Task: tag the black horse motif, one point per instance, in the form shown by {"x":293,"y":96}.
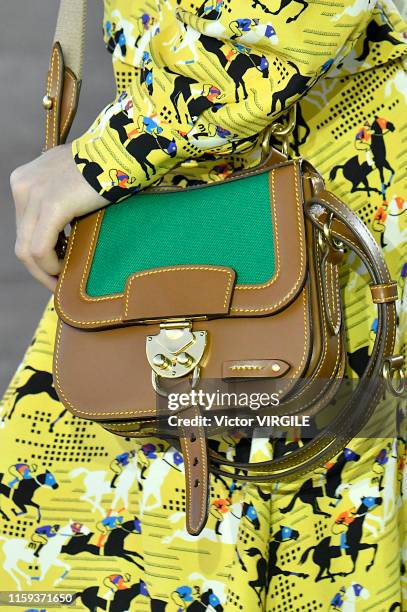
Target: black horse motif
{"x":120,"y":603}
{"x":376,"y":33}
{"x":182,"y":89}
{"x":357,"y":172}
{"x":298,"y":138}
{"x":240,"y":65}
{"x":283,"y":5}
{"x":39,"y":382}
{"x":298,"y":84}
{"x":309,"y":494}
{"x":266,"y":570}
{"x":324,"y":552}
{"x":22,"y":495}
{"x":92,"y":170}
{"x":113,"y":547}
{"x":141,"y":147}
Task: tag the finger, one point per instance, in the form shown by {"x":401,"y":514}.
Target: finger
{"x":44,"y":239}
{"x":50,"y":282}
{"x":25,"y":230}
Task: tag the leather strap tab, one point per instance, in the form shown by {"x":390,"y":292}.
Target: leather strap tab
{"x":69,"y":103}
{"x":382,"y":293}
{"x":194,"y":450}
{"x":63,"y":96}
{"x":331,"y":291}
{"x":54,"y":93}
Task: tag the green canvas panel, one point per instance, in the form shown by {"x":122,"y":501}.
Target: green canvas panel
{"x":229,"y":224}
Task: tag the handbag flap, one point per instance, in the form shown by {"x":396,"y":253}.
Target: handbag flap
{"x":235,"y":248}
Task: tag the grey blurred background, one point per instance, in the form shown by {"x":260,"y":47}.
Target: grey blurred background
{"x":26,"y":34}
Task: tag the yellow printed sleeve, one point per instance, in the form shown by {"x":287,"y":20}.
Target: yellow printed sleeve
{"x":207,"y":80}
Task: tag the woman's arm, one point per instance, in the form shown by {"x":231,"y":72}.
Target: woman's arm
{"x":245,"y":73}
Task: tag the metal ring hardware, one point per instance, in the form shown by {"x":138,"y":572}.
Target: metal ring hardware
{"x":326,"y":239}
{"x":281,"y":131}
{"x":392,"y":369}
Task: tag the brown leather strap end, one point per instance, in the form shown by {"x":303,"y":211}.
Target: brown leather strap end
{"x":69,"y":103}
{"x":386,"y":292}
{"x":61,"y":100}
{"x":52,"y":100}
{"x":194,"y":450}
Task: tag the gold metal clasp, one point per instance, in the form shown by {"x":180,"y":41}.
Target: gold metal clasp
{"x":392,"y":369}
{"x":175,"y":352}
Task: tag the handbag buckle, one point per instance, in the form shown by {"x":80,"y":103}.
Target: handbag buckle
{"x":175,"y":352}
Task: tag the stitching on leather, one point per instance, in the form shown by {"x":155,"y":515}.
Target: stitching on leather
{"x":332,"y":450}
{"x":49,"y":87}
{"x":54,"y":110}
{"x":383,"y":285}
{"x":328,"y":279}
{"x":388,"y":299}
{"x":297,"y":282}
{"x":179,"y":269}
{"x":188,"y":478}
{"x":337,"y":302}
{"x":309,"y":450}
{"x":58,"y":291}
{"x":246,"y":367}
{"x":71,"y":102}
{"x":332,"y":280}
{"x":70,"y":404}
{"x":338,"y":233}
{"x":325,"y":350}
{"x":326,"y":452}
{"x":84,"y":277}
{"x":232,"y":309}
{"x":277,"y":245}
{"x":188,"y":471}
{"x":304,"y":314}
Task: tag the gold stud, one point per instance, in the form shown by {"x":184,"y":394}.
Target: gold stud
{"x":184,"y":359}
{"x":275,"y":367}
{"x":161,"y":361}
{"x":47,"y":102}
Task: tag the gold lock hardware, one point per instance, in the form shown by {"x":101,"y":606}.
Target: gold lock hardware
{"x":175,"y":352}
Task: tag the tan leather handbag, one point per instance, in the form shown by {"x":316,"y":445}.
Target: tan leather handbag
{"x":235,"y":281}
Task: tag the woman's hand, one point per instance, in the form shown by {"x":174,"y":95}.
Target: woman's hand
{"x":48,"y":193}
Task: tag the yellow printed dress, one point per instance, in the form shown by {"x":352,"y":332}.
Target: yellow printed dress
{"x":103,"y":517}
